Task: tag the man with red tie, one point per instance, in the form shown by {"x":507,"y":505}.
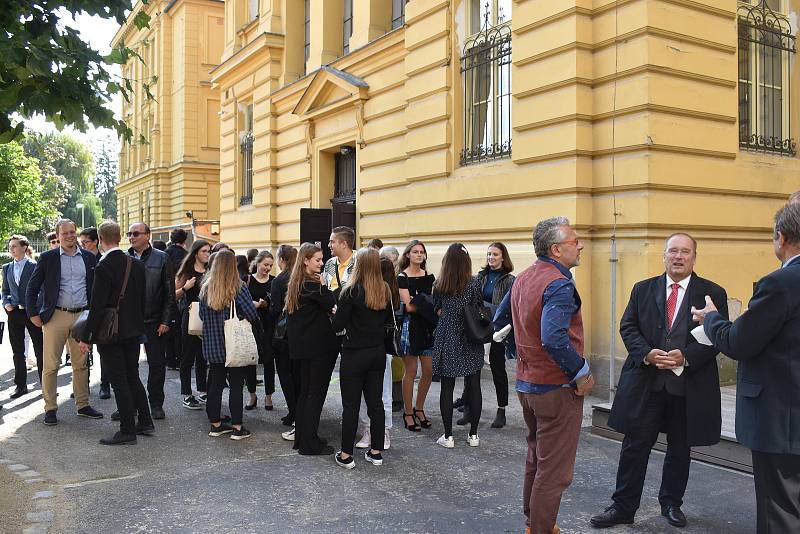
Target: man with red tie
{"x":669,"y":383}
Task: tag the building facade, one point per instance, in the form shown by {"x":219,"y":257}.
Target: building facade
{"x":470,"y":120}
{"x":171,"y":165}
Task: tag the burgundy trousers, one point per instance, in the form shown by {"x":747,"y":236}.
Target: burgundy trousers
{"x":554,"y":425}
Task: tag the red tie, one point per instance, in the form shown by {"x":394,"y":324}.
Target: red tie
{"x":672,"y":303}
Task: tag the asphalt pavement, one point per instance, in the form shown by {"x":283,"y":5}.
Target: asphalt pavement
{"x":182,"y":481}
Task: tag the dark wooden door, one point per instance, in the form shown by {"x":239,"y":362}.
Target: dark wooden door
{"x":344,"y":191}
{"x":315,"y":227}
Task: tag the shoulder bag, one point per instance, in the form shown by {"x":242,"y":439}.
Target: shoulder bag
{"x":241,"y":349}
{"x":391,"y":338}
{"x":195,"y":327}
{"x":108,"y":329}
{"x":478,"y":321}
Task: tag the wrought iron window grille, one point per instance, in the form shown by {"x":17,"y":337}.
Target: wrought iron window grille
{"x":486,"y":75}
{"x":766,"y":50}
{"x":246,"y":149}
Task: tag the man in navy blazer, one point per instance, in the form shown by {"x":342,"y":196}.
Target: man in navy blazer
{"x":16,"y":274}
{"x":63,"y":277}
{"x":766,"y":342}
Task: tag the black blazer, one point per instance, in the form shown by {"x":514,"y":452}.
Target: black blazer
{"x":109,"y":276}
{"x":46,"y":278}
{"x":766,"y":342}
{"x":309,"y":327}
{"x":642,"y":329}
{"x":364,"y":326}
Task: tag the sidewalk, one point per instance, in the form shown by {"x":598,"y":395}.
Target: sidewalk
{"x":183,"y":481}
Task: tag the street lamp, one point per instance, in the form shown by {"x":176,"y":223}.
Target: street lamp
{"x":79,"y":205}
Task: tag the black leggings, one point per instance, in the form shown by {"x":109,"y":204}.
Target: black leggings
{"x":497,"y":361}
{"x":192,"y":356}
{"x":472,"y":384}
{"x":218,"y":374}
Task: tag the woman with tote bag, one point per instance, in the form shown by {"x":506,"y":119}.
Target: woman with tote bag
{"x":222,"y":290}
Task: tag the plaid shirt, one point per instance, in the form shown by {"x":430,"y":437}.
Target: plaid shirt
{"x":332,"y":265}
{"x":214,"y":324}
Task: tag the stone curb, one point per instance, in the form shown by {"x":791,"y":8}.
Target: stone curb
{"x":41,"y":517}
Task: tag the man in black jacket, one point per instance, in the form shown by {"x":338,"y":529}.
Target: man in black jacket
{"x":64,"y":277}
{"x":90,"y":241}
{"x":159,"y":301}
{"x":176,"y":250}
{"x":765,"y":341}
{"x":121,"y":356}
{"x":669,"y":383}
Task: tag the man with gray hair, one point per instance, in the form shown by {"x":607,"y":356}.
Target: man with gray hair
{"x":795,"y":198}
{"x":765,"y":342}
{"x":552,"y":375}
{"x":391,"y":253}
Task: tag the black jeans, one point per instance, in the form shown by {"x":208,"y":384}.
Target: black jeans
{"x":288,"y":375}
{"x":155,"y":347}
{"x":315,"y":375}
{"x":172,"y":345}
{"x":192,"y":356}
{"x":661,"y":409}
{"x":120,"y":361}
{"x":18,"y":322}
{"x":361,"y":371}
{"x":473,"y":401}
{"x":217,"y":374}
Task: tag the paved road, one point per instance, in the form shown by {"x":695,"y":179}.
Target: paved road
{"x":183,"y":481}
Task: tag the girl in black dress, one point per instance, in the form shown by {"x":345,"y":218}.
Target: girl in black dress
{"x":187,"y":291}
{"x":260,"y":284}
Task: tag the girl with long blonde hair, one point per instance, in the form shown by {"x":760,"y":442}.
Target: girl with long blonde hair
{"x":221,"y":287}
{"x":363,"y":311}
{"x":312,"y":342}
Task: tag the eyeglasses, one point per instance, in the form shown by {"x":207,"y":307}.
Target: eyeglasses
{"x":575,"y":242}
{"x":135,"y":234}
{"x":54,"y":242}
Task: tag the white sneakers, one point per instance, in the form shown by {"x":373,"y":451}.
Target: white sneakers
{"x":473,"y":440}
{"x":365,"y":440}
{"x":288,"y":435}
{"x":447,"y":443}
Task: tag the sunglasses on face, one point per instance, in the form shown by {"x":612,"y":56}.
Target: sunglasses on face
{"x":54,"y":242}
{"x":135,"y":234}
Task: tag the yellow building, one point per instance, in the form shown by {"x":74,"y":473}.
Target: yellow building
{"x":470,"y":120}
{"x":176,"y":168}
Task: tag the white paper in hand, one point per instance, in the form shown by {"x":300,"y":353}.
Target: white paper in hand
{"x":700,"y":335}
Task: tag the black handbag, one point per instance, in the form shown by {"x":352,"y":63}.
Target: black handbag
{"x":478,"y":323}
{"x":281,"y":327}
{"x":108,"y":329}
{"x":391,"y":338}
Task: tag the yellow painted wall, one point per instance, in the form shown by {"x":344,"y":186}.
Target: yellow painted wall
{"x":179,"y":165}
{"x":625,"y":107}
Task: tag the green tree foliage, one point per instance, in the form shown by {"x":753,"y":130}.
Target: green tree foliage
{"x":47,"y":69}
{"x":21,"y":201}
{"x":106,"y":177}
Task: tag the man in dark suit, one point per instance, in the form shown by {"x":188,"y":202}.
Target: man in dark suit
{"x":176,"y":250}
{"x":64,"y":278}
{"x":16,"y":275}
{"x":159,"y":305}
{"x":89,"y":240}
{"x":120,"y":358}
{"x":669,"y":383}
{"x":766,"y":342}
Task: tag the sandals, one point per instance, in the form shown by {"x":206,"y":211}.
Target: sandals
{"x":413,"y":427}
{"x":423,"y":421}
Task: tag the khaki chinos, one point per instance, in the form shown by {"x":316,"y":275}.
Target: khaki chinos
{"x":56,"y":333}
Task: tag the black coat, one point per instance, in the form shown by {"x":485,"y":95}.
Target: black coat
{"x":309,"y":327}
{"x":641,"y":329}
{"x":109,"y":276}
{"x":46,"y":278}
{"x":159,"y":299}
{"x":766,"y":342}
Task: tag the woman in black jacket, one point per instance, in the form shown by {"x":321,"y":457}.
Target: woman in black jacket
{"x":363,"y":311}
{"x":288,"y":371}
{"x":495,"y":280}
{"x":312,"y":341}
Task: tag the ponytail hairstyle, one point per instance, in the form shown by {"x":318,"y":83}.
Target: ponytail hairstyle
{"x":288,"y":254}
{"x":299,"y":276}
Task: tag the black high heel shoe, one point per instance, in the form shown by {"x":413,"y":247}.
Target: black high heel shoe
{"x":424,"y":423}
{"x":413,"y":427}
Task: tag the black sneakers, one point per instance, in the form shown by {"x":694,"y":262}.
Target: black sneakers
{"x":348,"y":463}
{"x":91,"y":413}
{"x":374,"y":459}
{"x":240,"y":434}
{"x":191,"y":403}
{"x":220,"y":430}
{"x":50,"y":418}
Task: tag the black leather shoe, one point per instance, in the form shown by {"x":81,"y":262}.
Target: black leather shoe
{"x":465,"y":419}
{"x":157,"y":412}
{"x":119,"y":439}
{"x":19,"y":392}
{"x":50,"y":418}
{"x":91,"y":413}
{"x":674,"y":515}
{"x":105,"y":392}
{"x":499,"y":418}
{"x":115,"y":415}
{"x":610,"y":517}
{"x":146,"y":430}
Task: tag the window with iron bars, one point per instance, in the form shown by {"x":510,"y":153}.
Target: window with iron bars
{"x":766,"y":49}
{"x":486,"y":75}
{"x":246,"y":140}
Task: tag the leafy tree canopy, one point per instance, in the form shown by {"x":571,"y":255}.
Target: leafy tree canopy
{"x":48,"y":69}
{"x":21,"y":202}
